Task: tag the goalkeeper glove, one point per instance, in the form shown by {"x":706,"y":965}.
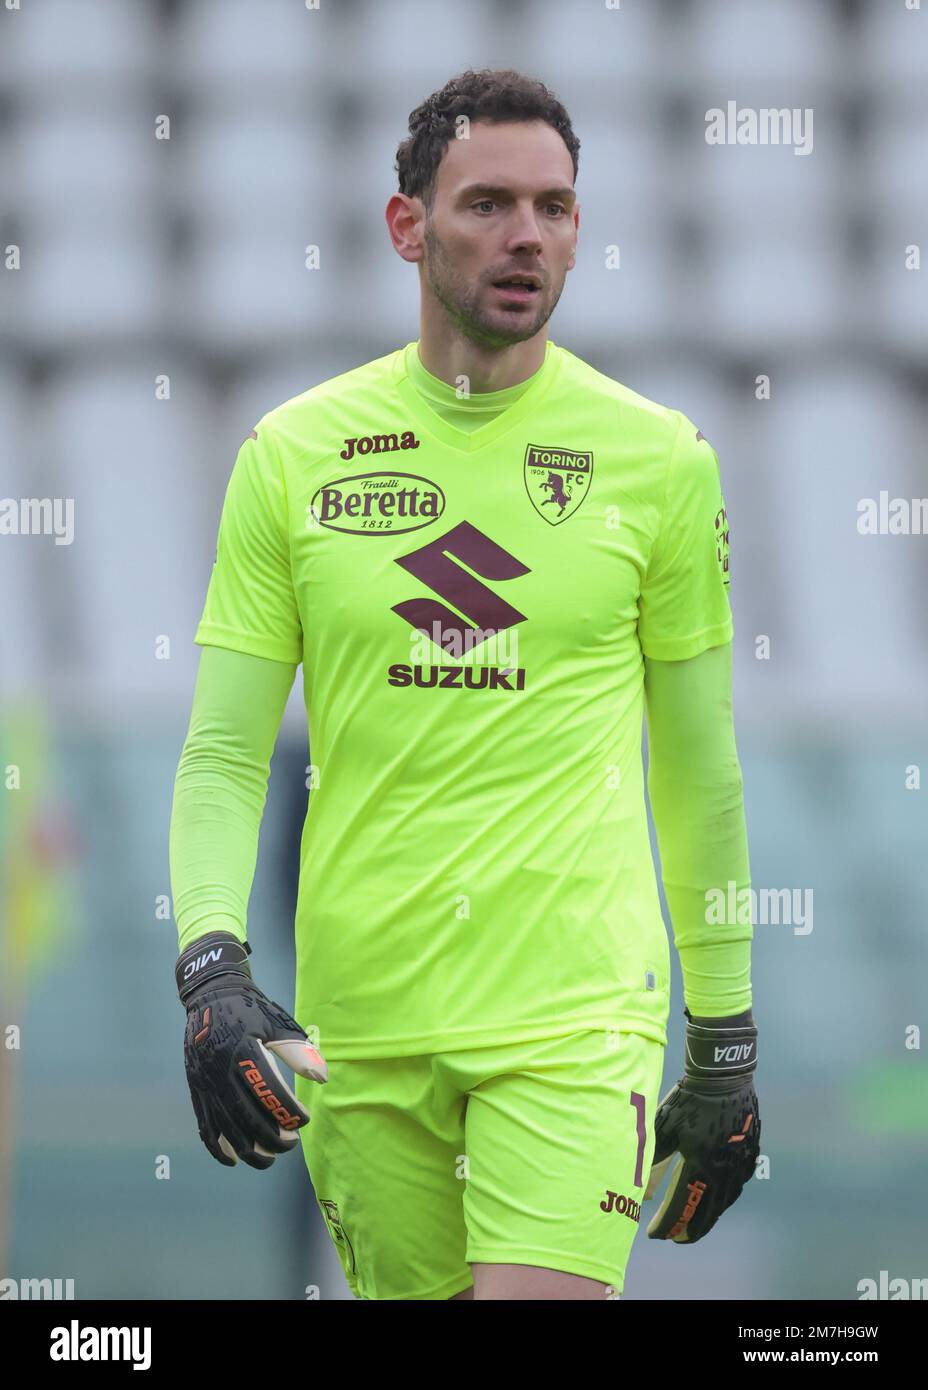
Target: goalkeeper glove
{"x":243,"y":1105}
{"x":711,"y":1119}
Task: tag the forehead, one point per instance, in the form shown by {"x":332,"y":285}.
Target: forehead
{"x":521,"y":155}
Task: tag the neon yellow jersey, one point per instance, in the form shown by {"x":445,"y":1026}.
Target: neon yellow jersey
{"x":471,"y":610}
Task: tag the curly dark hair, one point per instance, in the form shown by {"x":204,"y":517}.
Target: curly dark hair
{"x":493,"y":94}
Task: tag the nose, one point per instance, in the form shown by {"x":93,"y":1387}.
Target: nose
{"x":524,"y":229}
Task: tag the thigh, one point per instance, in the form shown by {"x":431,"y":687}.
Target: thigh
{"x":529,"y":1283}
{"x":560,"y":1136}
{"x":384,"y":1148}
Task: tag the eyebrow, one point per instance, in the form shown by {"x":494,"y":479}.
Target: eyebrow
{"x":566,"y":195}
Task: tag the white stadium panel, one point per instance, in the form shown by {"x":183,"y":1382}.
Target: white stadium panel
{"x":24,"y":631}
{"x":622,"y":288}
{"x":255,"y":53}
{"x":415,"y":49}
{"x":892,"y":47}
{"x":245,"y":289}
{"x":234,"y":166}
{"x":893,"y":170}
{"x":89,"y":282}
{"x":755,"y":40}
{"x":575,"y":47}
{"x":51,"y":51}
{"x":894,"y":297}
{"x":68,"y":164}
{"x":838,"y":436}
{"x":377,"y":297}
{"x":623,"y":167}
{"x":622,"y":284}
{"x":362,"y":173}
{"x":144,"y":538}
{"x":766,"y":286}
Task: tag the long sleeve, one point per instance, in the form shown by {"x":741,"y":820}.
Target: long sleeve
{"x":696,"y":792}
{"x":221,"y":787}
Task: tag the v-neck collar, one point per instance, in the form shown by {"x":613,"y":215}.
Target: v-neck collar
{"x":468,"y":442}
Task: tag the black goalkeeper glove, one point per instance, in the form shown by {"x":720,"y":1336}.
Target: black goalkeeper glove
{"x":710,"y":1118}
{"x":244,"y":1107}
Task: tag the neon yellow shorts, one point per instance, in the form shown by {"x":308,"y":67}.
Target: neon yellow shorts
{"x":531,"y":1153}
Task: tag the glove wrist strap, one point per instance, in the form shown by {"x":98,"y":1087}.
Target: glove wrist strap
{"x":217,"y":953}
{"x":717,"y":1048}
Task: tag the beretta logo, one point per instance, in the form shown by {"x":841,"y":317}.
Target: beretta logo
{"x":557,"y":480}
{"x":378,"y":504}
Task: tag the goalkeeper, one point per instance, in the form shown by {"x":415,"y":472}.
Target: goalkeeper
{"x":488,"y":590}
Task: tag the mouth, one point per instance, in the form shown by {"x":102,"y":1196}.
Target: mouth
{"x":519,"y":288}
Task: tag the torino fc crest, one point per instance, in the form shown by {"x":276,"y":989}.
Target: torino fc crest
{"x":557,"y":480}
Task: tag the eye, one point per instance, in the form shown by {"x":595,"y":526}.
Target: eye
{"x":560,"y":207}
{"x":485,"y":202}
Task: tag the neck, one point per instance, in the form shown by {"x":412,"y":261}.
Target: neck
{"x":449,"y":355}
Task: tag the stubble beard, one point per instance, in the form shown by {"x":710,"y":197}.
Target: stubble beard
{"x":460,"y":301}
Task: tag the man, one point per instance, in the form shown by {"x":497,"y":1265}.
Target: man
{"x":489,"y":558}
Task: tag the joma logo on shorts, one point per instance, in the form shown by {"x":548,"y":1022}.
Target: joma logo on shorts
{"x":625,"y":1206}
{"x":378,"y":444}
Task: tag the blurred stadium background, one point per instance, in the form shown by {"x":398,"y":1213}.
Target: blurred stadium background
{"x":144,"y":258}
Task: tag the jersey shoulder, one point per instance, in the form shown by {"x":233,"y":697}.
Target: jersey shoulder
{"x":638,"y":413}
{"x":300,"y":424}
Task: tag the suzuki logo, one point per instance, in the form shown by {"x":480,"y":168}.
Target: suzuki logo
{"x":437,"y":566}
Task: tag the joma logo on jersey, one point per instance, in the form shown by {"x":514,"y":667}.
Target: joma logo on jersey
{"x":375,"y":504}
{"x":557,"y":480}
{"x":378,"y":444}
